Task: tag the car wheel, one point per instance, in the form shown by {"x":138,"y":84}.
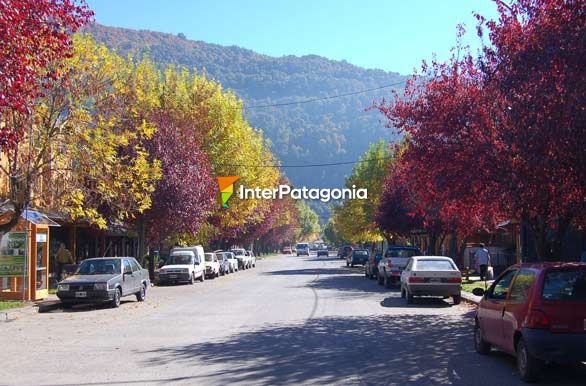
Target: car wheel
{"x":481,"y":346}
{"x":457,"y":299}
{"x":192,"y":278}
{"x":528,"y":366}
{"x":141,"y":295}
{"x":202,"y":277}
{"x":409,"y":296}
{"x":115,"y":303}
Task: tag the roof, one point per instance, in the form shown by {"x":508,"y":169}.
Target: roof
{"x":432,"y":258}
{"x":551,"y":264}
{"x":402,"y":247}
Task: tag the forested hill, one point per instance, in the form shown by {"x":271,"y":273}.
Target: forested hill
{"x":335,"y":130}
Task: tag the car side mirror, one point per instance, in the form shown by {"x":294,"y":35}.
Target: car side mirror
{"x":127,"y":273}
{"x":478,"y":291}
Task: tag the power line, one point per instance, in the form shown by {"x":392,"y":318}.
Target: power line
{"x":309,"y":165}
{"x":324,"y":98}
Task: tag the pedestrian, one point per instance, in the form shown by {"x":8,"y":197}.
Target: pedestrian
{"x":482,"y":261}
{"x":63,"y":257}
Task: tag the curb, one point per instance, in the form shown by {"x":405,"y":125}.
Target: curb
{"x":471,"y":298}
{"x":49,"y":305}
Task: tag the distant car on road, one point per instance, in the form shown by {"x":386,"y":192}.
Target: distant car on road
{"x":225,"y":266}
{"x":358,"y":256}
{"x":536,"y":312}
{"x":287,"y":250}
{"x":431,"y":276}
{"x":233,"y":261}
{"x":105,"y":279}
{"x":302,"y":249}
{"x":393,"y":262}
{"x":345,"y":251}
{"x":240,"y":254}
{"x":323,"y":252}
{"x":252,"y":259}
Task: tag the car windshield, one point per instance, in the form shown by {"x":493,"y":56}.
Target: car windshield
{"x":567,"y":284}
{"x":209,"y":256}
{"x":397,"y":252}
{"x":361,"y":253}
{"x":238,"y":252}
{"x":434,"y":265}
{"x":179,"y":260}
{"x":302,"y":246}
{"x":99,"y":267}
{"x":219,"y":256}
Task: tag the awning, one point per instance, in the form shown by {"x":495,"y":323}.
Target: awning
{"x":38,"y":218}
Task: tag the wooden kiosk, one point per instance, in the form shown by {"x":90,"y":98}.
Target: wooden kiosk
{"x":24,"y":258}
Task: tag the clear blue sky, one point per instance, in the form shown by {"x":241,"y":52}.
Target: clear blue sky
{"x":389,"y":34}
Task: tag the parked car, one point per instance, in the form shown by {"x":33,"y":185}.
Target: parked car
{"x":184,"y":264}
{"x":431,"y":276}
{"x":302,"y":249}
{"x":212,"y":266}
{"x":240,"y":254}
{"x":323,"y":252}
{"x":232,"y":260}
{"x":252,"y":259}
{"x":287,"y":250}
{"x":105,"y":279}
{"x":536,"y":312}
{"x":371,"y":266}
{"x":358,"y":256}
{"x":223,"y":261}
{"x":345,"y":251}
{"x":393,"y":262}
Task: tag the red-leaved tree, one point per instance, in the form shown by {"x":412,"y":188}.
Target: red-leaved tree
{"x":34,"y":36}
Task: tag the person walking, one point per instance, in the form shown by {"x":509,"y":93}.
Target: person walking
{"x":482,"y":261}
{"x":63,"y":257}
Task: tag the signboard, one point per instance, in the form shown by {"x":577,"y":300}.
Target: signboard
{"x":41,"y":237}
{"x":12,"y":254}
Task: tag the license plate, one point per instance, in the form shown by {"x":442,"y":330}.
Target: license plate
{"x":435,"y":280}
{"x":82,"y":294}
{"x":173,"y":276}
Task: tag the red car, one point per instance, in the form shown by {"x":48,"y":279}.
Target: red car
{"x":536,"y":312}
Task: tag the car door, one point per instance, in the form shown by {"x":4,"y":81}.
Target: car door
{"x":490,"y":312}
{"x":516,"y":306}
{"x":137,"y":273}
{"x":128,"y":278}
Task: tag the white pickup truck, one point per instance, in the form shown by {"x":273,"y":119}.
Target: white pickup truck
{"x":185,"y":264}
{"x":393,"y":263}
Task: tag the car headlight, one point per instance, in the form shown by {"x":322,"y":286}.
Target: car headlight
{"x":101,"y":286}
{"x":63,"y":287}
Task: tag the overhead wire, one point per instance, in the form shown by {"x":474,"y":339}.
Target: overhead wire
{"x":309,"y":165}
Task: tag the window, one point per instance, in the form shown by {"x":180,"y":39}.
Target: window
{"x":127,"y":267}
{"x":135,"y":266}
{"x":500,"y":289}
{"x":434,"y":265}
{"x":402,"y":252}
{"x":522,"y":285}
{"x":567,"y":284}
{"x":409,"y":265}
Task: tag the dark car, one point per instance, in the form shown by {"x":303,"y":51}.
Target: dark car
{"x":345,"y":251}
{"x":536,"y":312}
{"x":105,"y":279}
{"x":323,"y":252}
{"x":358,"y":256}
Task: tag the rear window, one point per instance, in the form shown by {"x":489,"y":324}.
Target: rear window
{"x":569,"y":284}
{"x":402,"y":253}
{"x":209,"y":257}
{"x":361,"y":253}
{"x":434,"y":265}
{"x":302,"y":246}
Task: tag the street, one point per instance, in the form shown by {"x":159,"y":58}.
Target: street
{"x":292,"y":320}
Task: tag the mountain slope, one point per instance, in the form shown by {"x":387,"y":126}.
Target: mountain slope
{"x":335,"y":130}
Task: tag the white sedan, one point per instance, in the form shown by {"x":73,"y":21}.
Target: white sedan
{"x":431,"y":276}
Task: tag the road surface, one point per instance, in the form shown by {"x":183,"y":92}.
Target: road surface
{"x":290,"y":321}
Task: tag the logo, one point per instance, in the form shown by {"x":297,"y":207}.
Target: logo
{"x":226,"y":185}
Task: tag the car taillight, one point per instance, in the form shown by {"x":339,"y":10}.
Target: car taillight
{"x":455,"y":280}
{"x":537,"y":319}
{"x":415,"y":279}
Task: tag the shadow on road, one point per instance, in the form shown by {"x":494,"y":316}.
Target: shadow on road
{"x":398,"y":302}
{"x":402,"y":349}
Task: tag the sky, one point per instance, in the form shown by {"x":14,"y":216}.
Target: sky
{"x":393,"y":35}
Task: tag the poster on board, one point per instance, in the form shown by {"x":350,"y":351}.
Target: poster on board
{"x":12,"y":254}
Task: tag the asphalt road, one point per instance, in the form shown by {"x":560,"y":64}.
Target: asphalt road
{"x":290,"y":321}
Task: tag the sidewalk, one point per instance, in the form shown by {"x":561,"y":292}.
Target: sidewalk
{"x":51,"y":303}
